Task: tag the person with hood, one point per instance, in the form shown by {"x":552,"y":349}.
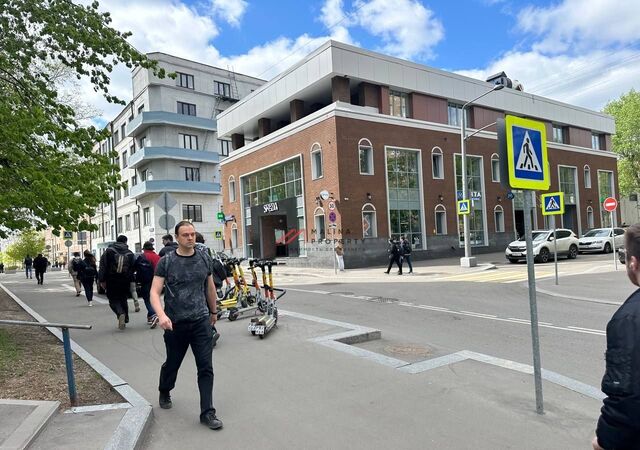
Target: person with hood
{"x":87,"y":274}
{"x":28,"y":264}
{"x":394,"y":256}
{"x":115,"y":275}
{"x":74,"y":266}
{"x":40,"y":264}
{"x":169,"y":245}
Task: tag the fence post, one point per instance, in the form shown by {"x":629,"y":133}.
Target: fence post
{"x":68,"y":359}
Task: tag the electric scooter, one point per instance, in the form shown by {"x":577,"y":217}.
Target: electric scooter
{"x":254,"y":303}
{"x":261,"y":326}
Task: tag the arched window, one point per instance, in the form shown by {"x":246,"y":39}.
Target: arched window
{"x":587,"y":177}
{"x":318,"y":223}
{"x":369,"y":221}
{"x":365,"y":156}
{"x":590,"y":218}
{"x":437,"y":163}
{"x":234,"y":236}
{"x":498,"y":214}
{"x":316,"y":161}
{"x":232,"y":189}
{"x":440,"y":219}
{"x":495,"y":168}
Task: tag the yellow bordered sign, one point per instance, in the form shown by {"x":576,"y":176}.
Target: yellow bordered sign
{"x":552,"y":203}
{"x":463,"y":207}
{"x":528,"y":163}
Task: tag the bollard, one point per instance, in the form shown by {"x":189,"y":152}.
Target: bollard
{"x":68,"y":359}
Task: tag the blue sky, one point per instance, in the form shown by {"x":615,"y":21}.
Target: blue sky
{"x":583,"y":52}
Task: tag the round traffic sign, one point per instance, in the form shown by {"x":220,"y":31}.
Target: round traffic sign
{"x":332,"y":216}
{"x":68,"y":243}
{"x":332,"y":206}
{"x":610,"y":204}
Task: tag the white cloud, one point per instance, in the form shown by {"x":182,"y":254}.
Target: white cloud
{"x":407,"y":28}
{"x":230,"y":11}
{"x":336,"y":20}
{"x":581,"y":24}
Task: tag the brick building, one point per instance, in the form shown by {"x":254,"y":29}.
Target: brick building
{"x":378,"y":140}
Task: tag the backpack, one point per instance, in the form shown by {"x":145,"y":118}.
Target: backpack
{"x":76,"y":264}
{"x":406,"y":246}
{"x":120,"y":263}
{"x":144,"y":270}
{"x":89,"y":271}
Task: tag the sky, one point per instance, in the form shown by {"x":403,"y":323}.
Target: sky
{"x":582,"y":52}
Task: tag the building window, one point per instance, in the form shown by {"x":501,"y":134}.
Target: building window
{"x":127,"y":222}
{"x":122,"y":130}
{"x":369,"y":221}
{"x":558,"y":134}
{"x":116,"y":137}
{"x":143,"y":141}
{"x":144,"y":174}
{"x":225,"y":147}
{"x":595,"y":141}
{"x":124,"y":159}
{"x":590,"y":218}
{"x":318,"y":223}
{"x":188,"y":109}
{"x":188,"y":141}
{"x":234,"y":236}
{"x":605,"y":189}
{"x":118,"y":194}
{"x":365,"y":155}
{"x":132,"y":149}
{"x":568,"y":182}
{"x":125,"y":190}
{"x":316,"y":161}
{"x":405,"y":207}
{"x":136,"y":220}
{"x":232,"y":189}
{"x":454,"y":112}
{"x":134,"y":180}
{"x":192,"y":213}
{"x":498,"y":215}
{"x":146,"y":217}
{"x":184,"y":80}
{"x":119,"y":224}
{"x":495,"y":168}
{"x":441,"y":219}
{"x":141,"y":109}
{"x":587,"y":177}
{"x":398,"y":104}
{"x":191,"y":173}
{"x":437,"y":163}
{"x":222,"y":89}
{"x":475,"y":174}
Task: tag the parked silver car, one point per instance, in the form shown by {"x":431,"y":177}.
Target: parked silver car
{"x":543,"y":246}
{"x":599,"y":240}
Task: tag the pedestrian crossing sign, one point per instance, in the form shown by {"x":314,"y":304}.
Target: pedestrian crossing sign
{"x":528,"y":164}
{"x":552,"y":203}
{"x":464,"y":207}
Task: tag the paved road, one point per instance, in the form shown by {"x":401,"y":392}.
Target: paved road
{"x":288,"y":392}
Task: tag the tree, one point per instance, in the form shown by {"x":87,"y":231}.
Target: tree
{"x":29,"y":242}
{"x":626,"y":141}
{"x":49,"y":173}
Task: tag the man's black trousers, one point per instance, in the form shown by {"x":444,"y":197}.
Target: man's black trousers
{"x":117,"y":294}
{"x":398,"y":261}
{"x":199,"y":336}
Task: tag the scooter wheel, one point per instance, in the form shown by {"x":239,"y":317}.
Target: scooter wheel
{"x":233,"y":315}
{"x":253,"y":333}
{"x":261,"y":336}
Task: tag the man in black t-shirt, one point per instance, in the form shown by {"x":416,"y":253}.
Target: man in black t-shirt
{"x":187,"y":318}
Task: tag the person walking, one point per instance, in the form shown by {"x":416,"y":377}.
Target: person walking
{"x":394,"y":256}
{"x":217,"y":272}
{"x":619,"y":423}
{"x":340,"y":256}
{"x":405,"y":247}
{"x":28,"y":264}
{"x":40,"y":264}
{"x":187,"y":318}
{"x":73,"y":267}
{"x":87,"y":274}
{"x":115,"y":275}
{"x":168,"y":245}
{"x":1,"y":267}
{"x":145,"y":267}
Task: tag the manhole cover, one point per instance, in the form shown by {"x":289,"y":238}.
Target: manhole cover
{"x":409,"y":350}
{"x":383,"y":300}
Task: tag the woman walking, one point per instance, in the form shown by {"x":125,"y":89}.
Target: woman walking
{"x":87,"y":274}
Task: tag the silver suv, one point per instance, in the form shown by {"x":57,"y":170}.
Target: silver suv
{"x":543,"y":246}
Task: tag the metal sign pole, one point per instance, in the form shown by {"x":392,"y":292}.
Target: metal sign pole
{"x":535,"y":339}
{"x":555,"y":248}
{"x":613,"y":243}
{"x":335,"y":256}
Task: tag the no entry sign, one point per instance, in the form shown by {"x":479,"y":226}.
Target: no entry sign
{"x":610,"y":204}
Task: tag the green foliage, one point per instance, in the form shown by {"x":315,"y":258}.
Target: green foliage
{"x":626,"y":141}
{"x":29,"y":242}
{"x":8,"y":350}
{"x":49,"y":174}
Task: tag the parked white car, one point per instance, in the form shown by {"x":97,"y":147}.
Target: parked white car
{"x":543,"y":246}
{"x":599,"y":240}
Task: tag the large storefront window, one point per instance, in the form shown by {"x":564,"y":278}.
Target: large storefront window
{"x":405,"y":211}
{"x":477,"y":232}
{"x":605,"y":189}
{"x":274,"y":212}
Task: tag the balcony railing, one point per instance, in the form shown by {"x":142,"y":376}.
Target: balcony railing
{"x":151,"y":118}
{"x":147,"y":154}
{"x":157,"y":186}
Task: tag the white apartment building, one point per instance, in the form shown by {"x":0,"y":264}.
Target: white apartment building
{"x":169,"y":153}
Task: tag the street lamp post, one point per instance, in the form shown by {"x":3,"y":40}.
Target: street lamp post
{"x":468,"y":260}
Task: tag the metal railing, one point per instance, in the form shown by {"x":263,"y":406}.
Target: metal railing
{"x":66,"y":342}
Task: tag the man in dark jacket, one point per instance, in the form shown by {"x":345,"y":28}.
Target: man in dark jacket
{"x":405,"y":250}
{"x":115,"y":274}
{"x":169,"y":245}
{"x":394,"y":256}
{"x":28,"y":264}
{"x":40,"y":266}
{"x":619,"y":423}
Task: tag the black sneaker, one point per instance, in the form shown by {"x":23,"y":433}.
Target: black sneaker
{"x":211,"y":421}
{"x":165,"y":400}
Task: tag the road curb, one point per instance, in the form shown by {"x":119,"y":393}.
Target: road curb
{"x":577,"y":297}
{"x":133,"y":426}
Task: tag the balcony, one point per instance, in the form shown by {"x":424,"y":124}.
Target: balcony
{"x":157,"y":186}
{"x":153,"y":118}
{"x":147,"y":154}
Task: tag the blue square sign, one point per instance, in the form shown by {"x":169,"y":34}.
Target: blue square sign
{"x":526,"y":148}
